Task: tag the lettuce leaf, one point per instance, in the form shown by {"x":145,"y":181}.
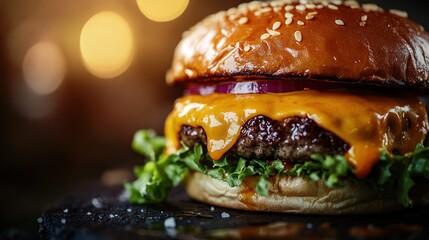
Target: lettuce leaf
{"x":397,"y":173}
{"x":162,"y":172}
{"x":330,"y":169}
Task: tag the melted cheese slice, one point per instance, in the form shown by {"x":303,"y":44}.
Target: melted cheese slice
{"x":369,"y":123}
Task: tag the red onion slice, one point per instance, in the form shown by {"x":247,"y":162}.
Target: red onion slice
{"x":264,"y":86}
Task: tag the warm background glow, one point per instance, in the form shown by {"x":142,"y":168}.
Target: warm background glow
{"x":106,"y":44}
{"x":162,"y":10}
{"x":43,"y":68}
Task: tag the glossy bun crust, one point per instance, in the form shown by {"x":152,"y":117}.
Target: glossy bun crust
{"x":341,"y":42}
{"x":297,"y":195}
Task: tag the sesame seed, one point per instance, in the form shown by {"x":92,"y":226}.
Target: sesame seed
{"x":265,"y":36}
{"x":309,"y":16}
{"x":364,"y":18}
{"x":246,"y":48}
{"x":351,"y":3}
{"x":258,"y":13}
{"x":277,"y":9}
{"x":276,"y":25}
{"x":252,"y":6}
{"x":337,"y":2}
{"x":289,"y":8}
{"x":332,"y":7}
{"x":88,"y":213}
{"x":300,"y":7}
{"x":243,"y":20}
{"x":273,"y":33}
{"x":298,"y":36}
{"x":319,"y":6}
{"x":66,"y":210}
{"x":339,"y":22}
{"x":362,"y":24}
{"x":370,"y":7}
{"x":39,"y":220}
{"x":243,"y":5}
{"x":310,"y":6}
{"x":233,"y":17}
{"x":63,"y":221}
{"x":288,"y":21}
{"x":231,"y":11}
{"x":221,"y":14}
{"x":276,"y":4}
{"x":301,"y":23}
{"x":243,"y":11}
{"x":265,"y":10}
{"x":312,"y":13}
{"x":399,"y":13}
{"x":128,"y":209}
{"x":288,"y":15}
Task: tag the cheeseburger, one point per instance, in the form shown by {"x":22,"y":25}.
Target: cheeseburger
{"x":295,"y":106}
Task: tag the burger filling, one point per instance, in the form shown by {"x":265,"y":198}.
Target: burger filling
{"x":329,"y":136}
{"x":292,"y":140}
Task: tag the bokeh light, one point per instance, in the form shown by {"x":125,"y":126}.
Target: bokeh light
{"x":162,"y":10}
{"x":44,"y":68}
{"x":106,"y":45}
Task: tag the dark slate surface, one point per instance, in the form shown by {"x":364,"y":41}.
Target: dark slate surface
{"x":100,"y":212}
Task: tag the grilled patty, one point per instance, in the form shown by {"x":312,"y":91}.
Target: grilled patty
{"x":294,"y":139}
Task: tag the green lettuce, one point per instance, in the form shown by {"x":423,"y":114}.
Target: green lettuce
{"x":397,"y":173}
{"x":162,"y":172}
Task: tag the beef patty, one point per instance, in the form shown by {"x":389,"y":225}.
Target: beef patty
{"x":293,"y":139}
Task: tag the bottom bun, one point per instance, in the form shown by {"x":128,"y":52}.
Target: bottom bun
{"x":293,"y":194}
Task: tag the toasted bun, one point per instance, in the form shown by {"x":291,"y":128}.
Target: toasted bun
{"x":343,"y":43}
{"x":295,"y":195}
